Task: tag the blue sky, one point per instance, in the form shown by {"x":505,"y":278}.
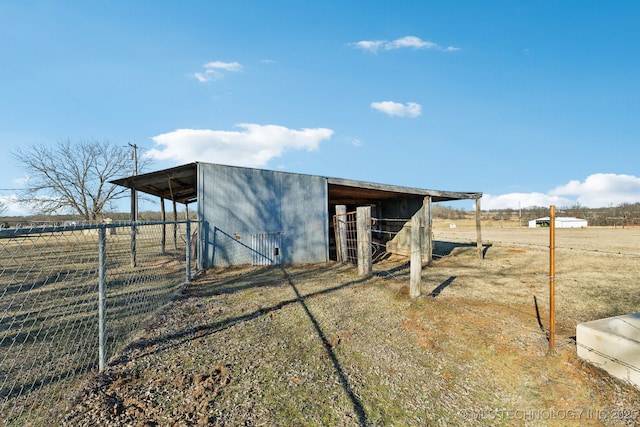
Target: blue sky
{"x":531,"y":103}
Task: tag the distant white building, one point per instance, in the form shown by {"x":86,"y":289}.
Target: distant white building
{"x":561,"y":222}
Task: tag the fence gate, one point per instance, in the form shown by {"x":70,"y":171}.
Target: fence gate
{"x":344,"y":226}
{"x":266,"y":248}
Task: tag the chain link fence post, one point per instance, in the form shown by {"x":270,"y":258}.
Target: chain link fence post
{"x":102,"y":297}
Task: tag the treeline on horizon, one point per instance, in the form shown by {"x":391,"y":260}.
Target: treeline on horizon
{"x":621,"y":215}
{"x":12,"y":221}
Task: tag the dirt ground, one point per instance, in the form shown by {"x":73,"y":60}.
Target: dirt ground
{"x":318,"y":345}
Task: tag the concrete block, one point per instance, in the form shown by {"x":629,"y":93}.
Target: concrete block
{"x":612,"y":344}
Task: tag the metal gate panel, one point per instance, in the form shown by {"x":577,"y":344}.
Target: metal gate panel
{"x":345,"y":226}
{"x":266,"y":248}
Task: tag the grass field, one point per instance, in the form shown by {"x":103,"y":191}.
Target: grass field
{"x":318,"y":345}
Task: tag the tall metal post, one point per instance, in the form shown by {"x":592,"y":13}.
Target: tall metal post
{"x":478,"y":229}
{"x":102,"y":298}
{"x":552,"y":277}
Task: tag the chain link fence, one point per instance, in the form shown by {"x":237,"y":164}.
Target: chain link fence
{"x":252,"y":249}
{"x":71,"y":297}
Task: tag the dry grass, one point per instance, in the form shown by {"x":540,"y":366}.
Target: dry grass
{"x":317,"y":345}
{"x":49,"y":310}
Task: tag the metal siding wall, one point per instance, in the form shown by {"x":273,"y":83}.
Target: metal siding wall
{"x":205,"y":234}
{"x":305,"y":216}
{"x":243,"y":202}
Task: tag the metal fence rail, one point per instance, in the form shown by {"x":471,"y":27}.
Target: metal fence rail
{"x":55,"y":324}
{"x":388,"y":235}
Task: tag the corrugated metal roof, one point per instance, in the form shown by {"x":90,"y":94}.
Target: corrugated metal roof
{"x":181,"y":183}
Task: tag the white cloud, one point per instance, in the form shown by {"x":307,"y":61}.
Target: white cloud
{"x":410,"y":109}
{"x":598,"y":190}
{"x":522,"y":200}
{"x":408,"y":42}
{"x":602,"y":189}
{"x":14,"y":207}
{"x":253,"y":145}
{"x":370,"y":45}
{"x":215,"y":70}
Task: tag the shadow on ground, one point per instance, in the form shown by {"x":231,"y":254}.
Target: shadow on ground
{"x":443,"y":249}
{"x":246,"y":279}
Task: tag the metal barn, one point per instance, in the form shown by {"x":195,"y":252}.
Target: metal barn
{"x":270,"y":217}
{"x":561,"y":222}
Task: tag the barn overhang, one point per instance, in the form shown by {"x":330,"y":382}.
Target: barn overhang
{"x":350,"y":192}
{"x":180,"y":184}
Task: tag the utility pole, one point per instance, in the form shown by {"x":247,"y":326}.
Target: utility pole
{"x":134,"y":193}
{"x":134,"y":208}
{"x":519,"y":214}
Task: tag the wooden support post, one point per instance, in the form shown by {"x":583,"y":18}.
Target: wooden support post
{"x":363,"y":231}
{"x":416,"y":256}
{"x":341,"y":233}
{"x":175,"y":226}
{"x":191,"y":239}
{"x":428,"y":231}
{"x":478,"y":231}
{"x":163,"y":241}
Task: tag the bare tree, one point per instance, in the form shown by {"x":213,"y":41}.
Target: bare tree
{"x":74,"y":176}
{"x":3,"y":207}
